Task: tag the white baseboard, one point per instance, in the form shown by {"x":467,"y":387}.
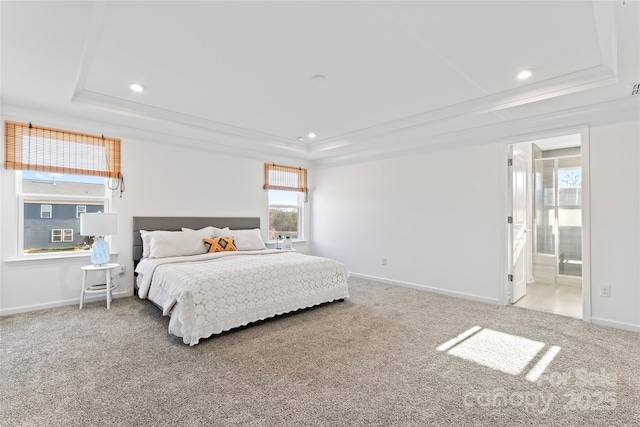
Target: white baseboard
{"x":73,"y":301}
{"x":455,"y":294}
{"x":615,"y":324}
{"x":595,"y":320}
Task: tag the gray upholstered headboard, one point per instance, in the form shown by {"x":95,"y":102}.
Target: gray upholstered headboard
{"x":152,"y":223}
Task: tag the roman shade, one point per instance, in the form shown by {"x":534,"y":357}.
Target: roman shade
{"x":37,"y":148}
{"x":288,"y":178}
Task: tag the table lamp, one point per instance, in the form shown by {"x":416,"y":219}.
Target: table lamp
{"x":99,"y":225}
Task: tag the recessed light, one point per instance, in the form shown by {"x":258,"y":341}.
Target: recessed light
{"x":318,"y":78}
{"x":136,"y":87}
{"x":312,"y":135}
{"x":300,"y":138}
{"x":525,"y":74}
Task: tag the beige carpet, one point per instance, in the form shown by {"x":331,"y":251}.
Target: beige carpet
{"x":372,"y":360}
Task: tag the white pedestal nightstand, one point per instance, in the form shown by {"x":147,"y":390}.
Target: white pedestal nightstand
{"x":94,"y":289}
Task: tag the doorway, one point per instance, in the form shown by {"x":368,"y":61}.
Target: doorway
{"x":548,"y":226}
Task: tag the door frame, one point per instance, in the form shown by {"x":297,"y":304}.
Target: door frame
{"x":506,"y":142}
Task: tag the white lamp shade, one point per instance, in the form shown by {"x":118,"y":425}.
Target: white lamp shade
{"x":98,"y":224}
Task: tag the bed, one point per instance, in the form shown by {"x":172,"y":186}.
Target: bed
{"x":207,"y":291}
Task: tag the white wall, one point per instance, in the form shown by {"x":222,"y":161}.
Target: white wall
{"x":615,"y":224}
{"x":160,"y":179}
{"x":438,"y":216}
{"x":434,"y":215}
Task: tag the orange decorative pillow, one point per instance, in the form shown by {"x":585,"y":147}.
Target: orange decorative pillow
{"x":220,"y":244}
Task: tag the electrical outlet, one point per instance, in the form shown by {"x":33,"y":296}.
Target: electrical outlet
{"x":384,"y":261}
{"x":605,"y":291}
{"x":122,"y":270}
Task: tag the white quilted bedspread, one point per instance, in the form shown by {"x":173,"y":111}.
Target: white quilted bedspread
{"x":210,"y":294}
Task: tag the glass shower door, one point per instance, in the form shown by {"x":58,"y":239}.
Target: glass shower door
{"x":569,"y":216}
{"x":558,"y":212}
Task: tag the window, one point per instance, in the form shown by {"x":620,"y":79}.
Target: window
{"x":285,"y":214}
{"x":45,"y":211}
{"x":61,"y":235}
{"x":71,"y":195}
{"x":61,"y":175}
{"x":288,"y":191}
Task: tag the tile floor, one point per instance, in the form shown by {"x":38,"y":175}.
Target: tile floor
{"x":559,"y":299}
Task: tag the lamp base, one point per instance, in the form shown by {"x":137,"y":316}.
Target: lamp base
{"x":100,"y":252}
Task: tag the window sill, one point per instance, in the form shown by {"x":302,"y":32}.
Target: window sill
{"x":51,"y":257}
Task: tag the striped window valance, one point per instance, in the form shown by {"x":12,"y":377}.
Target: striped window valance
{"x":288,"y":178}
{"x":37,"y":148}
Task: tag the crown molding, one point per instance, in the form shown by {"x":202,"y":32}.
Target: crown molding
{"x":464,"y":115}
{"x":564,"y":85}
{"x":625,"y":109}
{"x":244,"y":137}
{"x":156,"y":131}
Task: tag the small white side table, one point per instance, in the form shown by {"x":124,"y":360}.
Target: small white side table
{"x":91,"y":289}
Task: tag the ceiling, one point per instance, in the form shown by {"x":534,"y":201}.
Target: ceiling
{"x":364,"y":76}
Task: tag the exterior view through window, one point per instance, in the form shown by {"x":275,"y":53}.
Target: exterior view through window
{"x":285,"y":212}
{"x":51,"y":206}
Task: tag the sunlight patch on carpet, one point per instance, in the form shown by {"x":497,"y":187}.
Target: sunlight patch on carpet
{"x":463,"y":336}
{"x":503,"y":352}
{"x":542,"y":364}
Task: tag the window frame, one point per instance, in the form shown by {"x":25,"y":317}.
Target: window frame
{"x":43,"y":211}
{"x":78,"y":212}
{"x":63,"y":235}
{"x":55,"y":235}
{"x":300,"y":206}
{"x":105,"y":200}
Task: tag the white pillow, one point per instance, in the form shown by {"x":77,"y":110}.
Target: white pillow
{"x":207,"y":232}
{"x":146,"y":242}
{"x":245,"y":240}
{"x":165,"y":244}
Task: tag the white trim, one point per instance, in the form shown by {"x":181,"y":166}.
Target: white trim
{"x":404,"y":141}
{"x":462,"y":295}
{"x":586,"y":223}
{"x":65,"y":236}
{"x":39,"y":258}
{"x":49,"y":211}
{"x":615,"y":324}
{"x":301,"y":215}
{"x":578,"y":81}
{"x":23,"y":198}
{"x":62,"y":303}
{"x":573,"y":82}
{"x":61,"y":198}
{"x":620,"y":110}
{"x":503,"y":243}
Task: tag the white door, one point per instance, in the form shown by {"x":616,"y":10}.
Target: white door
{"x":518,"y":193}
